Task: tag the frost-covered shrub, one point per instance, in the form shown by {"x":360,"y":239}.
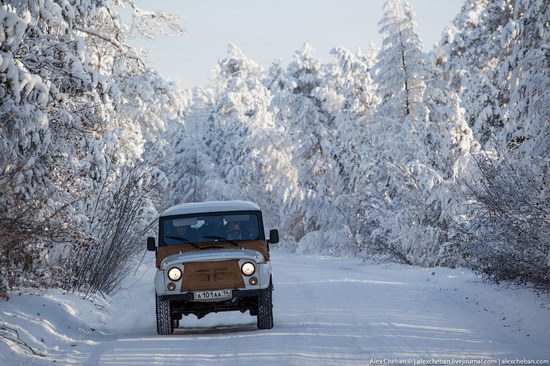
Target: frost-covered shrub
{"x":510,"y":233}
{"x":124,"y":216}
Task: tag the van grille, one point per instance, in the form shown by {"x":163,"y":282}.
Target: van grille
{"x":212,"y":276}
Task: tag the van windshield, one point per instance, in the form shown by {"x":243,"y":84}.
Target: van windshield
{"x":201,"y":228}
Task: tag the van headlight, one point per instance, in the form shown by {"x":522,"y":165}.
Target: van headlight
{"x":174,"y":273}
{"x":248,"y":268}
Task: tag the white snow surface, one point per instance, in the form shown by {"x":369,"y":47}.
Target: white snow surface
{"x":328,"y":311}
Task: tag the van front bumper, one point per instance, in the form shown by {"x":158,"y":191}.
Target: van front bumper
{"x":188,"y":296}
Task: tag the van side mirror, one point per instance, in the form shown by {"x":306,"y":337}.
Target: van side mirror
{"x":151,"y":245}
{"x":273,"y":236}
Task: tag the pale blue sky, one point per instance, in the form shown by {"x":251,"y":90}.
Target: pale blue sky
{"x":273,"y":29}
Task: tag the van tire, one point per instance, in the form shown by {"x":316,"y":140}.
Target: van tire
{"x":165,"y":326}
{"x":265,"y":309}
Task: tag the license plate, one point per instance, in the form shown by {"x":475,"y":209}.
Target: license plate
{"x":213,"y":295}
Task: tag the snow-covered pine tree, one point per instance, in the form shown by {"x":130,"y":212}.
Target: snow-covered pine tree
{"x":349,"y":94}
{"x":401,"y":48}
{"x":526,"y":74}
{"x":262,"y":166}
{"x":292,"y":215}
{"x":416,"y":146}
{"x":392,"y":140}
{"x":299,"y":109}
{"x":237,"y":152}
{"x":469,"y":52}
{"x":191,"y":164}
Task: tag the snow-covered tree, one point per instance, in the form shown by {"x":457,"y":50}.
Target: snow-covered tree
{"x":417,"y":144}
{"x":24,"y":140}
{"x":229,"y":146}
{"x":301,"y":111}
{"x":349,"y":95}
{"x":191,"y":163}
{"x":401,"y":64}
{"x":469,"y":53}
{"x":526,"y":74}
{"x":70,"y":142}
{"x":510,"y":92}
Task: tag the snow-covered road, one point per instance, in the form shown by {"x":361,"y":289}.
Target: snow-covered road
{"x":327,"y":311}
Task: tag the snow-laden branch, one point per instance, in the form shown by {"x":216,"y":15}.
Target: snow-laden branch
{"x":11,"y":336}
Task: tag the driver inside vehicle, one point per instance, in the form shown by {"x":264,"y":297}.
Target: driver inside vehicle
{"x":234,"y":230}
{"x":183,"y":231}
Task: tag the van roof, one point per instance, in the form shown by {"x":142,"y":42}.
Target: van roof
{"x":210,"y":206}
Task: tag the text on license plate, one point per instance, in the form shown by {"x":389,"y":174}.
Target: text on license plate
{"x":213,"y":295}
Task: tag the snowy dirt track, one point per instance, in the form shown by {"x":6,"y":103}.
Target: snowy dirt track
{"x":327,"y":311}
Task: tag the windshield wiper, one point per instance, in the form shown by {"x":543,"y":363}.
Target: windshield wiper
{"x":212,"y":247}
{"x":221,"y":238}
{"x":183,"y":240}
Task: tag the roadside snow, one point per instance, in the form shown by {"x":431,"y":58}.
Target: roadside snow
{"x":327,"y":311}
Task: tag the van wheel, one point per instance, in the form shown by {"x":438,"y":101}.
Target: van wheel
{"x":265,"y":309}
{"x":165,"y":326}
